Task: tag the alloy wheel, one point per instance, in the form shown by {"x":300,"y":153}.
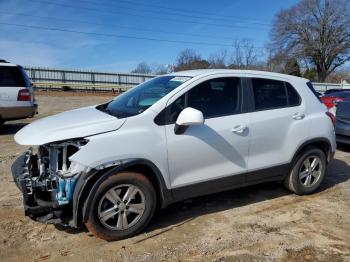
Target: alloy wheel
{"x":310,"y":171}
{"x":121,"y":207}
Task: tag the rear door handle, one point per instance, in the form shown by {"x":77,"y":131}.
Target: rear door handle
{"x":239,"y":129}
{"x":298,"y":116}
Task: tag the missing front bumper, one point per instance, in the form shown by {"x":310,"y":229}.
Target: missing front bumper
{"x":39,"y":199}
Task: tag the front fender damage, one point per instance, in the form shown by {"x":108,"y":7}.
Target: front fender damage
{"x":52,"y":184}
{"x":47,"y":180}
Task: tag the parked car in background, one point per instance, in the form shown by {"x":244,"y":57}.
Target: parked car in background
{"x":342,"y":129}
{"x":174,"y":137}
{"x":17,"y":99}
{"x":331,"y":99}
{"x":330,"y":91}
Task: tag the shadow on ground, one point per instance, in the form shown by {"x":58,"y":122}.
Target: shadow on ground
{"x":343,"y":147}
{"x":11,"y":128}
{"x":180,"y":213}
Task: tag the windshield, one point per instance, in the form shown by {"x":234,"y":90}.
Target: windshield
{"x":141,"y":97}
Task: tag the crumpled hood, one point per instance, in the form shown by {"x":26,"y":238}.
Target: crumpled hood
{"x":76,"y":123}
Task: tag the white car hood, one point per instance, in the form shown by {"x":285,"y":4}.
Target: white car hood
{"x":76,"y":123}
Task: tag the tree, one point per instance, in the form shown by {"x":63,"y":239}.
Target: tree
{"x":160,"y":69}
{"x":218,"y":59}
{"x":244,"y":55}
{"x":189,"y":59}
{"x":310,"y":74}
{"x":317,"y":31}
{"x":292,"y":67}
{"x":142,"y":68}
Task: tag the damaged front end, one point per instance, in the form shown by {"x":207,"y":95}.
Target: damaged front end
{"x":47,"y":179}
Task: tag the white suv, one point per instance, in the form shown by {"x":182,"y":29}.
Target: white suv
{"x":17,"y":99}
{"x":174,"y":137}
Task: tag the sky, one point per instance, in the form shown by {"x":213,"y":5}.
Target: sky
{"x":116,"y":35}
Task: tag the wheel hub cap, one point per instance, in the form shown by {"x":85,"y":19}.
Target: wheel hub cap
{"x":121,"y":207}
{"x":310,"y":171}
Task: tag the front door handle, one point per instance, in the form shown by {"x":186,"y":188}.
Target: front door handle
{"x":298,"y":116}
{"x":239,"y":129}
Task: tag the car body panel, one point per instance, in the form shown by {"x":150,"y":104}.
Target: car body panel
{"x":139,"y":138}
{"x":76,"y":123}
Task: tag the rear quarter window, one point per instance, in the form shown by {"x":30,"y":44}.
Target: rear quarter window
{"x":293,"y":96}
{"x":12,"y":76}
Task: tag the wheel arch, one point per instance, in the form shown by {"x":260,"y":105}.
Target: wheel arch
{"x":86,"y":187}
{"x":322,"y":143}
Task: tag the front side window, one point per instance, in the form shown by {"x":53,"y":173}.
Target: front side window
{"x":214,"y":98}
{"x":138,"y":99}
{"x":272,"y":94}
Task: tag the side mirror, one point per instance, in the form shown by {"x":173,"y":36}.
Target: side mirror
{"x":188,"y":117}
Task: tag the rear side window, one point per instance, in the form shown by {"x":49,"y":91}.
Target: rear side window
{"x":12,"y":76}
{"x":272,"y":94}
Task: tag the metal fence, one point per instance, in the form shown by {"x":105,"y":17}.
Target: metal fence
{"x":52,"y":78}
{"x":82,"y":80}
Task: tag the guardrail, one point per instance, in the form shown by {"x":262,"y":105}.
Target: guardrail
{"x":105,"y":88}
{"x":69,"y":77}
{"x":117,"y":88}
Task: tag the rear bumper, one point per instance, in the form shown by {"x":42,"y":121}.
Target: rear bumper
{"x":14,"y":113}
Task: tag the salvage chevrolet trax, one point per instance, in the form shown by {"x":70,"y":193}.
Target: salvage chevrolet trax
{"x":177,"y":136}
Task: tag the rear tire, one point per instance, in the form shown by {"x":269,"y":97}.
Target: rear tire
{"x":122,"y":206}
{"x":307,"y":172}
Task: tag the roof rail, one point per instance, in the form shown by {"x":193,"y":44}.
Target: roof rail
{"x":3,"y":61}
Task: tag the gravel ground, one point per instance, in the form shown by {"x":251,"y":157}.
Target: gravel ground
{"x":257,"y":223}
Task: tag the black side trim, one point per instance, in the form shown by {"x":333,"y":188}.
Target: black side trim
{"x":165,"y":193}
{"x":277,"y":173}
{"x":329,"y":153}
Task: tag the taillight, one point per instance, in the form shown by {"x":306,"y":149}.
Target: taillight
{"x":23,"y":95}
{"x":332,"y":117}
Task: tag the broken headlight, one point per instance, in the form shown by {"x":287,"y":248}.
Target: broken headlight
{"x":51,"y":171}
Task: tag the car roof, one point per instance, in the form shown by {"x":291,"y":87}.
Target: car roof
{"x":205,"y":72}
{"x":7,"y":64}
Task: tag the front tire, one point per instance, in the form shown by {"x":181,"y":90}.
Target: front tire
{"x":308,"y":172}
{"x":122,"y":206}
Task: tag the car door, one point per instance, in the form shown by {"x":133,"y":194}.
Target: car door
{"x":277,"y":126}
{"x":212,"y":156}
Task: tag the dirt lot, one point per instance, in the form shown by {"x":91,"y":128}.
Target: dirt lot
{"x":259,"y":223}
